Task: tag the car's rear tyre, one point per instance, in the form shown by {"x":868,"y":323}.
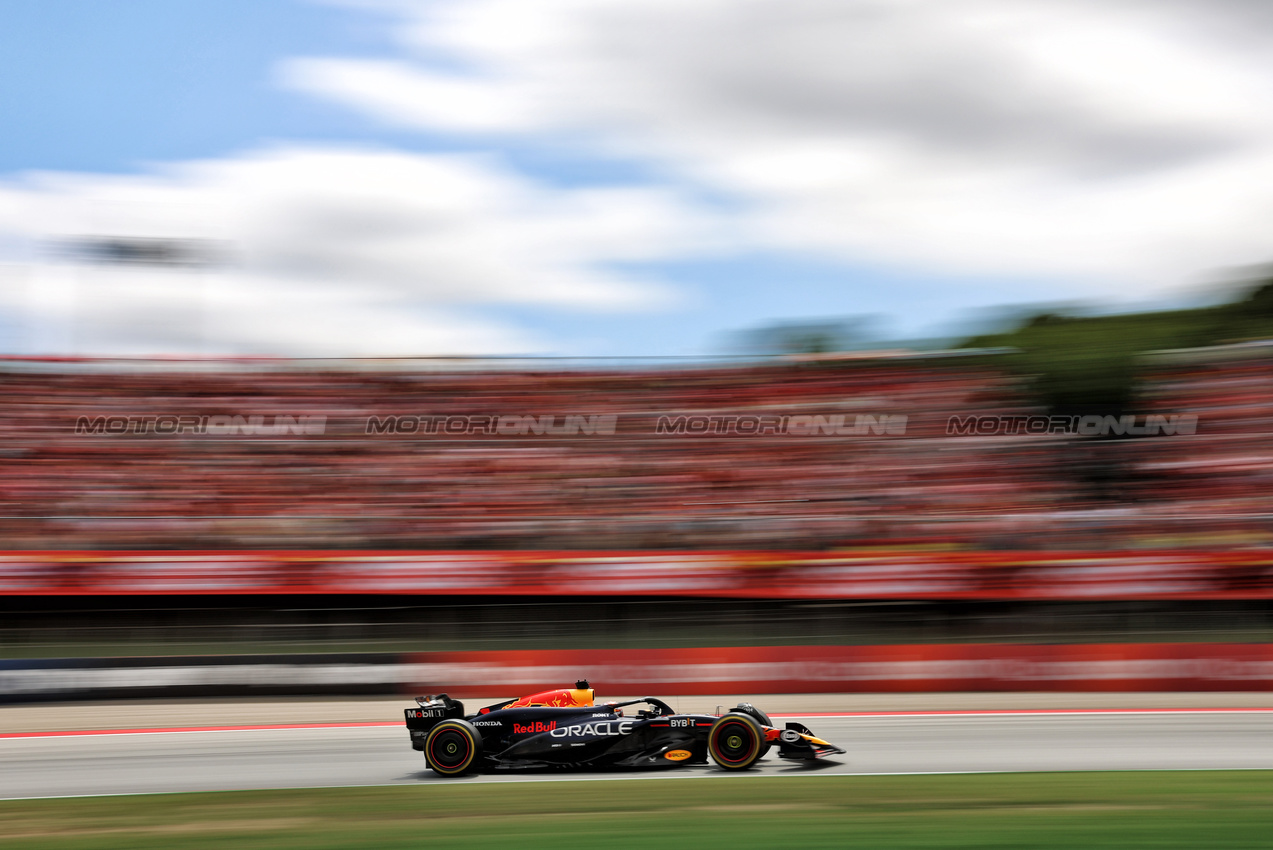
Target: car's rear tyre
{"x":453,"y":747}
{"x":736,"y":741}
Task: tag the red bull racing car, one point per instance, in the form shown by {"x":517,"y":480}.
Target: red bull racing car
{"x":566,"y":728}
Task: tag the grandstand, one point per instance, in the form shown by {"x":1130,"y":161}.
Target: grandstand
{"x":71,"y":483}
{"x":256,"y":506}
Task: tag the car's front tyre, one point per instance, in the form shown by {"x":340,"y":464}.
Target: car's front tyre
{"x":453,"y":747}
{"x":736,"y":741}
{"x":759,"y":716}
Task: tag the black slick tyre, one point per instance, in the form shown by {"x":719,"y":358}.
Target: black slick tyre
{"x":748,"y":708}
{"x":453,"y":747}
{"x":735,"y":741}
{"x":761,"y":718}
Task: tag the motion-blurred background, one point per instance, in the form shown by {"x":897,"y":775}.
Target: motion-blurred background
{"x":394,"y":346}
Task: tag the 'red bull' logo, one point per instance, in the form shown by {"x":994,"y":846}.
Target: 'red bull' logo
{"x":561,"y":698}
{"x":531,"y":728}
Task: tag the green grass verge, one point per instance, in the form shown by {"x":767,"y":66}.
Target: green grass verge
{"x":1221,"y":809}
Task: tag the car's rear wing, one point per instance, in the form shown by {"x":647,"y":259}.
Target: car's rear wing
{"x":430,"y":711}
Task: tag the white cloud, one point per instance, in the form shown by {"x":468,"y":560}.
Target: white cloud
{"x":328,"y":252}
{"x":1101,"y":141}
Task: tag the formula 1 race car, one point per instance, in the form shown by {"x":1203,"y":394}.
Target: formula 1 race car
{"x":565,"y":728}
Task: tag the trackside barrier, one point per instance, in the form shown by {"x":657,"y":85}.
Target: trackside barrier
{"x":172,"y":677}
{"x":1185,"y":575}
{"x":860,"y":669}
{"x":693,"y":671}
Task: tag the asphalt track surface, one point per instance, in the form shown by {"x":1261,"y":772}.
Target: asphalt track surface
{"x":323,"y":755}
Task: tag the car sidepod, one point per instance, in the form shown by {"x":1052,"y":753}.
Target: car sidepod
{"x":547,"y":736}
{"x":668,"y":741}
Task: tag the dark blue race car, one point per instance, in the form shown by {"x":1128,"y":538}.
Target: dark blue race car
{"x":566,"y":728}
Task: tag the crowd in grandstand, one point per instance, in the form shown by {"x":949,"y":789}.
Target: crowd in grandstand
{"x":643,"y":485}
{"x":1217,"y":482}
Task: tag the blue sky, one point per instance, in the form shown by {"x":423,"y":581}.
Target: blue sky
{"x":928,"y":215}
{"x":112,"y":87}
